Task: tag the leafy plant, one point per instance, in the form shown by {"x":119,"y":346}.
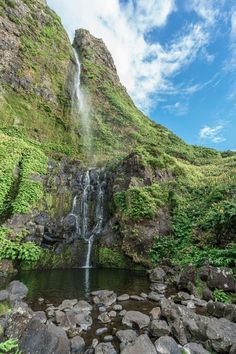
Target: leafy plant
{"x":10,"y":346}
{"x":221,"y":296}
{"x":17,"y":249}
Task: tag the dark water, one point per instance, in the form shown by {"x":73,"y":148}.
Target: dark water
{"x":58,"y":285}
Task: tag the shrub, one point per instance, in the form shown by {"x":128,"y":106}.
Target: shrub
{"x":221,"y":296}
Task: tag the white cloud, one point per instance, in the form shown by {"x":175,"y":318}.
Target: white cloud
{"x":212,"y":134}
{"x":233,"y":25}
{"x":178,"y":108}
{"x":146,"y":69}
{"x":206,"y":9}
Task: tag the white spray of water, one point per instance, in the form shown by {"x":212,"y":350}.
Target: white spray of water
{"x":81,"y":109}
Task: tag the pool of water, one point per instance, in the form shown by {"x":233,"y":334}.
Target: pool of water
{"x":57,"y":285}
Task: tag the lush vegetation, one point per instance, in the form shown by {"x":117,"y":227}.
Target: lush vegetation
{"x":10,"y":346}
{"x":111,"y":258}
{"x":16,"y":249}
{"x":137,"y":203}
{"x":37,"y":104}
{"x":221,"y":296}
{"x":21,"y":168}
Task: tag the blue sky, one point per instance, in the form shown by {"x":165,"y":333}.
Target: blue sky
{"x":177,"y":58}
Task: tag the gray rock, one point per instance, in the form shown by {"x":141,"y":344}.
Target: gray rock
{"x":101,"y":331}
{"x":159,"y":328}
{"x":219,"y":309}
{"x":157,"y":275}
{"x":104,"y":297}
{"x":4,"y":294}
{"x":136,"y":317}
{"x":77,"y":345}
{"x":136,"y":297}
{"x":117,"y":307}
{"x":105,"y":348}
{"x":158,"y":287}
{"x":126,"y":336}
{"x":17,"y":291}
{"x":207,"y":294}
{"x":194,"y":348}
{"x":102,"y":309}
{"x":83,"y":320}
{"x":104,"y":317}
{"x":108,"y":338}
{"x":141,"y":345}
{"x":186,"y":278}
{"x":155,"y":313}
{"x":67,"y":304}
{"x":122,"y":313}
{"x":112,"y":314}
{"x":124,"y":297}
{"x":221,"y":278}
{"x":167,"y":345}
{"x":40,"y":339}
{"x":82,"y":306}
{"x":94,"y":343}
{"x":41,"y":316}
{"x":155,"y":296}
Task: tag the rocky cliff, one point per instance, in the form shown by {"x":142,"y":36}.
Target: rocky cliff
{"x":164,"y":198}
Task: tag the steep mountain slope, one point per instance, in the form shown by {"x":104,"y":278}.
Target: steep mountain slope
{"x":37,"y":71}
{"x":178,"y":199}
{"x":165,"y":198}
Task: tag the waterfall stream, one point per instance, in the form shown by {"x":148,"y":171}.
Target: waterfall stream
{"x":81,"y":109}
{"x":88,"y":208}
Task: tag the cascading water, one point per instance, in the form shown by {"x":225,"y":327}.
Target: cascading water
{"x":88,"y":204}
{"x":88,"y":208}
{"x":80,"y":107}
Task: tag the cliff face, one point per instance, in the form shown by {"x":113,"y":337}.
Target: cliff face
{"x":36,"y":74}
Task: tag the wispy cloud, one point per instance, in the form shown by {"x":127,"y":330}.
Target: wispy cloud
{"x":145,"y":68}
{"x":212,"y":134}
{"x":178,"y":108}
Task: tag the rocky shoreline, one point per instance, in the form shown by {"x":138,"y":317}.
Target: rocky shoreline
{"x":173,"y":318}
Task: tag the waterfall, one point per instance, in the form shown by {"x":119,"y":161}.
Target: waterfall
{"x":88,"y":208}
{"x":81,"y":109}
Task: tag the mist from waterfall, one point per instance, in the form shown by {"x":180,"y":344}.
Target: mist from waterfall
{"x":81,"y":110}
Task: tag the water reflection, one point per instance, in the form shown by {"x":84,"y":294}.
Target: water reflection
{"x":56,"y":285}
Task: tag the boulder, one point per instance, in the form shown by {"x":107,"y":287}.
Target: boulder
{"x":77,"y":345}
{"x":67,"y":304}
{"x":82,"y":306}
{"x":104,"y":297}
{"x":207,"y":294}
{"x":4,"y":295}
{"x":126,"y":336}
{"x":157,"y":275}
{"x":159,"y":328}
{"x":19,"y":319}
{"x":136,"y":317}
{"x":195,"y":348}
{"x":105,"y":348}
{"x":155,"y":296}
{"x":17,"y":291}
{"x":141,"y":345}
{"x":221,"y":278}
{"x":39,"y":338}
{"x":167,"y":345}
{"x":186,"y":278}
